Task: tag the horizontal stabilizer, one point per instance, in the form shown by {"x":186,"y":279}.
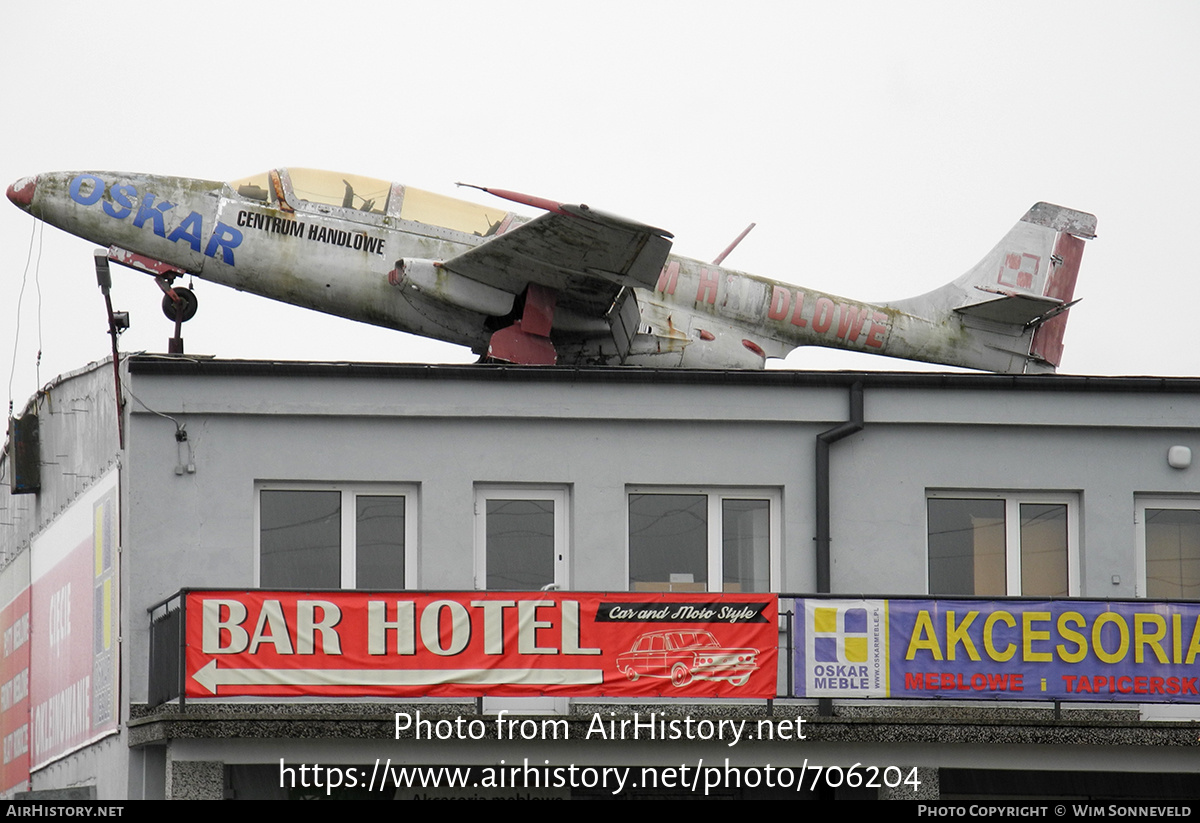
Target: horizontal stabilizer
{"x":1014,"y":309}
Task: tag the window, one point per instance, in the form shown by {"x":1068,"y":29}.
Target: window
{"x":998,"y":544}
{"x":1168,"y":548}
{"x":695,"y":540}
{"x":336,"y":536}
{"x":348,"y":191}
{"x":457,"y":215}
{"x":520,"y":538}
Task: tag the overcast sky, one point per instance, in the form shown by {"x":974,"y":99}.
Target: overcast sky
{"x":882,"y":148}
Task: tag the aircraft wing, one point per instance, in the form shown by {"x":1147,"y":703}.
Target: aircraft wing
{"x":585,"y":255}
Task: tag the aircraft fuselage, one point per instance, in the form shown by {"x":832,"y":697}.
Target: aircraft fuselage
{"x":343,"y":260}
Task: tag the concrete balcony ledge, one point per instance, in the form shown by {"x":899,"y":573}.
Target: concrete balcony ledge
{"x":850,"y":723}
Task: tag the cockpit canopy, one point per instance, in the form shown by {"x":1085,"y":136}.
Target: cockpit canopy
{"x":323,"y":191}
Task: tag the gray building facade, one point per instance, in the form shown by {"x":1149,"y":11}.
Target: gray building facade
{"x":255,"y":475}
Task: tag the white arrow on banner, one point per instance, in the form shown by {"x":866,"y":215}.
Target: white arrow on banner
{"x":212,"y":677}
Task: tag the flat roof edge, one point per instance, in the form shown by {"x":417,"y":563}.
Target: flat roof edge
{"x":183,"y":366}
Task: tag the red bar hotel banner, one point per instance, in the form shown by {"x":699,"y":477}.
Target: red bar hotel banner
{"x":466,"y":644}
{"x":1135,"y":651}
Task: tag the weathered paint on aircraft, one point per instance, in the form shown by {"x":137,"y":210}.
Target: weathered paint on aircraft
{"x":574,"y":285}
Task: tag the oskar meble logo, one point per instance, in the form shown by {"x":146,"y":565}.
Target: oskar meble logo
{"x":844,"y":648}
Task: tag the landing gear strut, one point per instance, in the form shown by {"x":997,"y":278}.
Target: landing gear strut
{"x":178,"y":304}
{"x":527,"y":340}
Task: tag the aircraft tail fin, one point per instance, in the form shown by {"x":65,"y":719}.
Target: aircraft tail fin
{"x":1013,"y":304}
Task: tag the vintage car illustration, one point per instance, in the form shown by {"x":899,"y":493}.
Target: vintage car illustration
{"x":684,"y":656}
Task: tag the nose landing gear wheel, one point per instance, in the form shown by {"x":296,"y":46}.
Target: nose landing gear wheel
{"x":188,"y":303}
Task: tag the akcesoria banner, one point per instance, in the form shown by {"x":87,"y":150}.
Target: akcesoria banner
{"x":1138,"y":651}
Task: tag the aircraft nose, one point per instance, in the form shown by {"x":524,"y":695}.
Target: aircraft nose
{"x":21,"y":192}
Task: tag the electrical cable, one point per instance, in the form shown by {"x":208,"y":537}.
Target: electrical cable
{"x":17,"y":334}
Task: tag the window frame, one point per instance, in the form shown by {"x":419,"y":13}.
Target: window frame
{"x":559,"y":494}
{"x":350,"y":492}
{"x":1141,"y":502}
{"x":1012,"y":532}
{"x":715,"y":523}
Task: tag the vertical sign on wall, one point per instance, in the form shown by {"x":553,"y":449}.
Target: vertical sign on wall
{"x":73,"y":651}
{"x":14,"y":690}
